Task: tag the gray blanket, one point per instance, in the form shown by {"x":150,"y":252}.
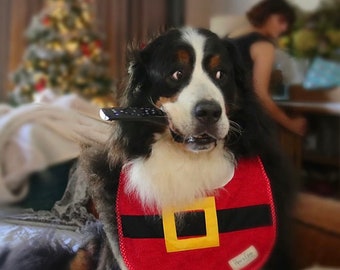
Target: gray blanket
{"x":63,"y":222}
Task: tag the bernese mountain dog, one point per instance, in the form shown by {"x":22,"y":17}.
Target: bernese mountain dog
{"x":201,"y":183}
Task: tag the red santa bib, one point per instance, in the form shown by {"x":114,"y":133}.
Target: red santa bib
{"x":235,"y":229}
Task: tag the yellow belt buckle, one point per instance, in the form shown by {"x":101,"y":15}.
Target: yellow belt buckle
{"x":211,"y":239}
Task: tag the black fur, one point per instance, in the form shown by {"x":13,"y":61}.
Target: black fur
{"x":39,"y":254}
{"x":257,"y":137}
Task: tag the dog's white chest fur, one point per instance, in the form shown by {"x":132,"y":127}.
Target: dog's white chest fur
{"x":173,"y":177}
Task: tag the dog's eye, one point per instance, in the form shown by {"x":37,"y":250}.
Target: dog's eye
{"x":177,"y":75}
{"x":219,"y":75}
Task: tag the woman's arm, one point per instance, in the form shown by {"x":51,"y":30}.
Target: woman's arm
{"x":262,"y":54}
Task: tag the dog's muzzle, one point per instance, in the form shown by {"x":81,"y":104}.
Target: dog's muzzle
{"x":206,"y":114}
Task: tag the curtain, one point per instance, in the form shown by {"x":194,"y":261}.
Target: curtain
{"x":4,"y":36}
{"x":122,"y":22}
{"x":15,"y":16}
{"x":128,"y":22}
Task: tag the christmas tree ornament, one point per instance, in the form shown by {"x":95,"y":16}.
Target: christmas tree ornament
{"x":43,"y":64}
{"x":62,"y":28}
{"x":85,"y":49}
{"x":46,"y":21}
{"x":79,"y":24}
{"x":71,"y":46}
{"x":86,"y":16}
{"x":56,"y":46}
{"x":28,"y":65}
{"x":41,"y":84}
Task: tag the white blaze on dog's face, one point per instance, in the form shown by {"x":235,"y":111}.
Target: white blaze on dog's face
{"x":197,"y":114}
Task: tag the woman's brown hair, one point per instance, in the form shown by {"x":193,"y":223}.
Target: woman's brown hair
{"x":259,"y":13}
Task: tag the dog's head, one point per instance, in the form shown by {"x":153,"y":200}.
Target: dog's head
{"x":194,"y":77}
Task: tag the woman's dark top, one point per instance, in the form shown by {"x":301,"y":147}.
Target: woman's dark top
{"x":243,"y":44}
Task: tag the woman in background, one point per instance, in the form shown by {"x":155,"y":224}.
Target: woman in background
{"x":269,"y":19}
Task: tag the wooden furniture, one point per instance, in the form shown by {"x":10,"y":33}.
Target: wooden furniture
{"x":316,"y":226}
{"x":317,"y":155}
{"x":316,"y":232}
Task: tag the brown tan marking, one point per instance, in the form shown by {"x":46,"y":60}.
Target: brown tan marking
{"x":82,"y":261}
{"x":183,"y":56}
{"x":163,"y":100}
{"x":214,"y":62}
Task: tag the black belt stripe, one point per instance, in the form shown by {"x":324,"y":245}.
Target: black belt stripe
{"x":193,"y":224}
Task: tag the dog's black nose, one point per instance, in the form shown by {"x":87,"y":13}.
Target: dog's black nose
{"x":208,"y":111}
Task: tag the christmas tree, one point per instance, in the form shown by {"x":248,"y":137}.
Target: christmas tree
{"x":64,"y":54}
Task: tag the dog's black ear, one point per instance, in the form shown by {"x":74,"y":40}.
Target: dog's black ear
{"x":142,"y":68}
{"x":137,"y":77}
{"x":242,"y":74}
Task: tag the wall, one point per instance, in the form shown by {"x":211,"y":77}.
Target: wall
{"x":200,"y":12}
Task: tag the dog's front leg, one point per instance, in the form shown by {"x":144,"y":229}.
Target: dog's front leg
{"x":104,"y":202}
